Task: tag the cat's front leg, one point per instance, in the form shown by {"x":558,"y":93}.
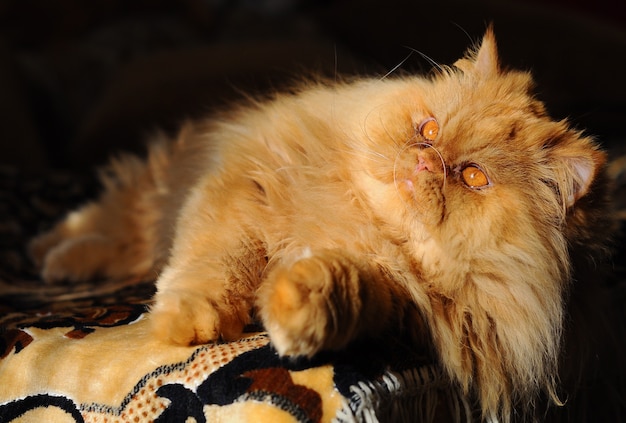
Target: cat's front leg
{"x":206,"y":291}
{"x":192,"y":307}
{"x":324,"y":301}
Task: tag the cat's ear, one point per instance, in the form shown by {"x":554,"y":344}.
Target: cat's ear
{"x":482,"y":60}
{"x":486,"y":61}
{"x":578,"y":164}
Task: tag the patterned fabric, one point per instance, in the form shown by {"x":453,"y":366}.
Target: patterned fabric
{"x":82,"y":353}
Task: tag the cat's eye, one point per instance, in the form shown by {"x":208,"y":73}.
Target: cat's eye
{"x":474,"y":177}
{"x":429,"y":128}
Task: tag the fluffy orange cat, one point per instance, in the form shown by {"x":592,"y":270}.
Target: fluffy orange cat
{"x":445,"y":207}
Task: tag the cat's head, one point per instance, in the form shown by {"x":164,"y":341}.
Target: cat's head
{"x":475,"y":162}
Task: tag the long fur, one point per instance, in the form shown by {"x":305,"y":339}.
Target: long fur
{"x":310,"y":210}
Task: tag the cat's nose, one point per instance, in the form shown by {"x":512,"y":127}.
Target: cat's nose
{"x":428,"y":161}
{"x":423,"y":165}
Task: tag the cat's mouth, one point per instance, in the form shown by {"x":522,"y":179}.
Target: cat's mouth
{"x":423,"y":169}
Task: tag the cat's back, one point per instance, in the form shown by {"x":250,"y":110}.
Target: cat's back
{"x":315,"y":124}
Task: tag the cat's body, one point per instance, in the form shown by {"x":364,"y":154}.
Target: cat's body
{"x":443,"y":207}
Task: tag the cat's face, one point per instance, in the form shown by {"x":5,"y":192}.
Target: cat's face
{"x":475,"y":165}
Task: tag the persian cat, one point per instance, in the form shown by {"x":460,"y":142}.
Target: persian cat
{"x":445,"y":207}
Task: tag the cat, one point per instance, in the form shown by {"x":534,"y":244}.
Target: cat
{"x":443,"y":206}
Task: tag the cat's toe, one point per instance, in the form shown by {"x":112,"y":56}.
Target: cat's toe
{"x":294,"y":310}
{"x":177,"y":325}
{"x":75,"y":259}
{"x":187,"y":319}
{"x":54,"y":271}
{"x":58,"y":266}
{"x":39,"y":247}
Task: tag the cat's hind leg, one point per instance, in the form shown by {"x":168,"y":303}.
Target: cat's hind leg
{"x":112,"y":237}
{"x":67,"y":253}
{"x":81,"y":247}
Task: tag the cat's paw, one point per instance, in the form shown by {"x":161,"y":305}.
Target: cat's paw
{"x":39,"y":247}
{"x":303,"y":306}
{"x":186,"y":318}
{"x":73,"y":259}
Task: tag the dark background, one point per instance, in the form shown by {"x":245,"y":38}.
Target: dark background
{"x":82,"y":79}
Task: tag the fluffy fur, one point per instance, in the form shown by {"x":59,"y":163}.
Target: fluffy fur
{"x":336,"y":212}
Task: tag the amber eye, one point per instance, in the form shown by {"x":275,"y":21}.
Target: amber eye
{"x":474,"y":177}
{"x":429,"y":128}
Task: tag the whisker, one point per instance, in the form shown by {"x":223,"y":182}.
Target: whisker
{"x":358,"y":150}
{"x":382,"y":123}
{"x":397,"y":66}
{"x":443,"y":165}
{"x":369,"y":154}
{"x":336,"y":63}
{"x":395,"y":173}
{"x":469,"y":37}
{"x":365,"y":120}
{"x":427,"y":58}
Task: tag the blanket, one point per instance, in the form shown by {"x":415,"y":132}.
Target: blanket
{"x":83,"y":353}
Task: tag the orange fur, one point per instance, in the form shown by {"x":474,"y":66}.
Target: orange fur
{"x":309,"y":209}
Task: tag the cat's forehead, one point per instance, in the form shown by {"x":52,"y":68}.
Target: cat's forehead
{"x":495,"y":111}
{"x":506,"y":93}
